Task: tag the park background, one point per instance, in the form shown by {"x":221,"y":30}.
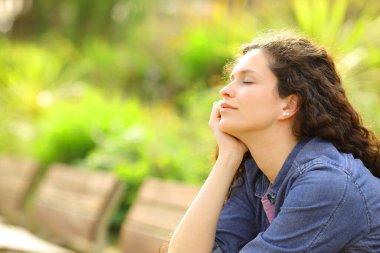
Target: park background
{"x":127,"y":85}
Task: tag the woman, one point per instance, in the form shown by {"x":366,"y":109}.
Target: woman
{"x":300,"y":170}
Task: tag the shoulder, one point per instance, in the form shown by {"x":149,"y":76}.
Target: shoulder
{"x":327,"y":181}
{"x":317,"y":151}
{"x":320,"y":165}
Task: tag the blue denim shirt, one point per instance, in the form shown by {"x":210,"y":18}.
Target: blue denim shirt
{"x":325,"y":201}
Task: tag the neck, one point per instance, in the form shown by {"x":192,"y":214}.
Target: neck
{"x":270,"y":149}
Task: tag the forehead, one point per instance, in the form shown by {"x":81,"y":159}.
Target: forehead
{"x":255,"y":60}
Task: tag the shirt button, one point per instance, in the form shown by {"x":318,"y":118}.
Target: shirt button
{"x":271,"y":197}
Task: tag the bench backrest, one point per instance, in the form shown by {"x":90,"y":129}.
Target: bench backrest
{"x":158,"y":208}
{"x":17,"y":177}
{"x":73,"y":207}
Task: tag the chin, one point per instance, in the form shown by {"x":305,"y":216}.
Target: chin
{"x":228,"y":128}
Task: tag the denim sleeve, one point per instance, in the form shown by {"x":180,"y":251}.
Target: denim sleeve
{"x":216,"y":249}
{"x":323,"y":212}
{"x":236,"y":224}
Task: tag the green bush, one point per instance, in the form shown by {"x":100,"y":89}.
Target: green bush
{"x":77,"y":121}
{"x":26,"y":71}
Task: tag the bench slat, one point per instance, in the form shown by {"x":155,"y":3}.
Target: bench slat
{"x":17,"y":177}
{"x":99,"y":184}
{"x":137,"y":241}
{"x":155,"y":215}
{"x":173,"y":193}
{"x":73,"y":202}
{"x":73,"y":206}
{"x":158,"y":208}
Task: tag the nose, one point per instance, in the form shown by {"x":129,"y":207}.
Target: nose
{"x":227,"y":91}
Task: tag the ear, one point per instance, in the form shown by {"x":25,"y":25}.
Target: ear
{"x":291,"y":106}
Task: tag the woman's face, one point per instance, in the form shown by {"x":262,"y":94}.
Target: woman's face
{"x":251,"y":101}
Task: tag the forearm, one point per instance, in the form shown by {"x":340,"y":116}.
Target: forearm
{"x":196,"y":231}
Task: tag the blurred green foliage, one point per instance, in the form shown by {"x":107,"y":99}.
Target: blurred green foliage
{"x":127,"y":85}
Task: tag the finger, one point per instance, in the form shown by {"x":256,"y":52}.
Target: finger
{"x":215,"y":113}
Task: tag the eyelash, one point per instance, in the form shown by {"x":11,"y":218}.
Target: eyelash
{"x":243,"y":82}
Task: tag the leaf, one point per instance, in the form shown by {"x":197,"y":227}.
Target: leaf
{"x":319,"y":18}
{"x":302,"y":12}
{"x":338,"y":13}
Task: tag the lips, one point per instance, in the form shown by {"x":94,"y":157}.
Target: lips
{"x":225,"y":105}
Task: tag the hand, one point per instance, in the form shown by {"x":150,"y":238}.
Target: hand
{"x":227,"y":143}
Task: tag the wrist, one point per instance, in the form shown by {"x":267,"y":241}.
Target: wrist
{"x":230,"y":155}
{"x":229,"y":161}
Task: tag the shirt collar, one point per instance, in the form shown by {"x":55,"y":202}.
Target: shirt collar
{"x":261,"y":182}
{"x":287,"y":165}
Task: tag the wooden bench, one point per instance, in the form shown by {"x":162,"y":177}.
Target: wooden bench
{"x":72,"y":209}
{"x":17,"y":177}
{"x":158,"y":208}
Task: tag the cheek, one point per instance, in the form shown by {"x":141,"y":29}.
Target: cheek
{"x":256,"y":100}
{"x":261,"y":107}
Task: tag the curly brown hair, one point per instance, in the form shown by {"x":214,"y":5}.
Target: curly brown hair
{"x":308,"y":71}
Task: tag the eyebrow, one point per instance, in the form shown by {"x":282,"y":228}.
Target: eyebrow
{"x":242,"y":72}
